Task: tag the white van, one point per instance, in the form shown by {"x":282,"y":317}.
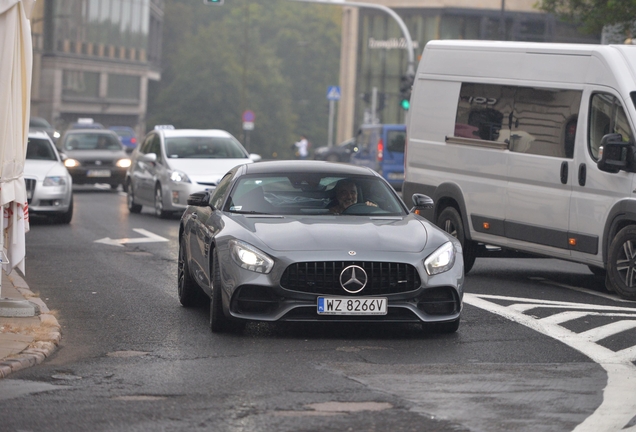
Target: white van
{"x":529,"y":147}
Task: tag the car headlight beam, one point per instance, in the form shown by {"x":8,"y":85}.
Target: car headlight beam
{"x":179,"y":177}
{"x":71,"y":163}
{"x":123,"y":163}
{"x":54,"y":181}
{"x":249,"y":257}
{"x":441,"y":260}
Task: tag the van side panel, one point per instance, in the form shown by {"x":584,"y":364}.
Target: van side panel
{"x":478,"y":173}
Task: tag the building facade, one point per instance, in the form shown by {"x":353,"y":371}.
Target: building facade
{"x":93,"y":58}
{"x":374,"y":58}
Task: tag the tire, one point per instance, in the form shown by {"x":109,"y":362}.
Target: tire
{"x":444,"y":327}
{"x":187,"y":288}
{"x":159,"y":211}
{"x":218,"y":320}
{"x":621,"y":263}
{"x":67,"y":216}
{"x":450,"y":221}
{"x":130,"y":200}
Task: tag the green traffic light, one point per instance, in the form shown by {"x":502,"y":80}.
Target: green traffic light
{"x":406,"y":104}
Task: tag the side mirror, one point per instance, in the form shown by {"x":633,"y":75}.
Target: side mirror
{"x":148,"y":157}
{"x":255,"y":157}
{"x":420,"y":202}
{"x":199,"y":199}
{"x":614,"y":154}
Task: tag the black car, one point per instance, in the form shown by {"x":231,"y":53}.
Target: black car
{"x":94,"y":156}
{"x":316,"y":241}
{"x":340,"y":153}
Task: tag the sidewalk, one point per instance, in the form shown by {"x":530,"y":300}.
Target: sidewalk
{"x":24,"y":340}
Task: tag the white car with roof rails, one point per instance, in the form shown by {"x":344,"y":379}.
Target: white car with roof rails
{"x":170,"y":164}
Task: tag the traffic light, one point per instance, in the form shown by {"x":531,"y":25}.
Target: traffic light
{"x":213,"y":2}
{"x":406,"y":84}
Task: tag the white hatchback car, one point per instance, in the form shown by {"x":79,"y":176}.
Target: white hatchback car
{"x":170,"y":164}
{"x":48,"y":183}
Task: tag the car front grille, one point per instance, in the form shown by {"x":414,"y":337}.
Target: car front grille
{"x":324,"y":278}
{"x":30,"y":188}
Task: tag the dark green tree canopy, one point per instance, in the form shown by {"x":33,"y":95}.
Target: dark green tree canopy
{"x":274,"y":57}
{"x":593,"y":15}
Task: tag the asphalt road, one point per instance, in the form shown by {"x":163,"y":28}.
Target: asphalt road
{"x":541,"y":348}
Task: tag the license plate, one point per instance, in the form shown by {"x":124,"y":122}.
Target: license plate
{"x":352,"y":306}
{"x":98,"y":173}
{"x":396,"y":176}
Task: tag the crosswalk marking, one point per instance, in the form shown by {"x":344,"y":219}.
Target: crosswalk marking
{"x":618,"y":408}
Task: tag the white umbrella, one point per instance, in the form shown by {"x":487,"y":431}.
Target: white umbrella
{"x":16,"y":60}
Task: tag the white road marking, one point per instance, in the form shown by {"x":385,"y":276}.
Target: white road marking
{"x":149,"y":238}
{"x":613,"y":297}
{"x":618,"y":408}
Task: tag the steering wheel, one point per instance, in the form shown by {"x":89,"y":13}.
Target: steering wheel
{"x":361,"y":209}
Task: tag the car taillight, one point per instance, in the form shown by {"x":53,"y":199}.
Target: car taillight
{"x":380,"y":150}
{"x":133,"y":140}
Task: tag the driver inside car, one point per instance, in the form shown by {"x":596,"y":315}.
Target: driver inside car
{"x":346,"y":196}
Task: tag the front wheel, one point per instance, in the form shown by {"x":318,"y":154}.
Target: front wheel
{"x":218,"y":320}
{"x":130,"y":200}
{"x":188,"y":290}
{"x":621,"y":263}
{"x":450,"y":221}
{"x":159,"y":211}
{"x":67,"y":216}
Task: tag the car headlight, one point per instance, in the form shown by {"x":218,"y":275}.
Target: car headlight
{"x":250,"y":258}
{"x":54,"y":181}
{"x":441,"y":260}
{"x":123,"y":163}
{"x":71,"y":163}
{"x":179,"y":177}
{"x":56,"y":134}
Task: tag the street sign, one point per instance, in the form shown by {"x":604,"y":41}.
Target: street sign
{"x":248,"y":116}
{"x":248,"y":125}
{"x":333,"y":93}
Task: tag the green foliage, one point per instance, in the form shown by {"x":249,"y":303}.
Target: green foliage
{"x":274,"y":57}
{"x":593,"y":15}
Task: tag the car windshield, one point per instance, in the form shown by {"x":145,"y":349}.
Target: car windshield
{"x":40,"y":149}
{"x":38,"y":122}
{"x":91,"y":141}
{"x":312,"y":194}
{"x":204,"y":148}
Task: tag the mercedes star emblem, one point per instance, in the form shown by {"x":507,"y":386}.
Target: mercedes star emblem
{"x":353,"y":279}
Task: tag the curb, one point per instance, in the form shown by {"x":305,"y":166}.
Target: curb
{"x":45,"y":346}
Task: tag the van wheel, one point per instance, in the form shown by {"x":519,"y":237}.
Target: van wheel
{"x":450,"y":221}
{"x":621,"y":263}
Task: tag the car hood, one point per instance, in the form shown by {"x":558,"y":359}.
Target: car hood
{"x":40,"y":169}
{"x":398,"y":234}
{"x":206,"y":170}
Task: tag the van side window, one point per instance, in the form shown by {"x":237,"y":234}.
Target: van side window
{"x":529,"y":120}
{"x":544,"y":121}
{"x":483,"y":111}
{"x":606,"y":116}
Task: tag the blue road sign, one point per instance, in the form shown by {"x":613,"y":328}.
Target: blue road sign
{"x":333,"y":93}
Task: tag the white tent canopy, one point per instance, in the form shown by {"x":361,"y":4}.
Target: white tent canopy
{"x":16,"y":60}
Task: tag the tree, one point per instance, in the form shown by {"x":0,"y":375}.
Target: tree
{"x":593,"y":15}
{"x":274,"y":57}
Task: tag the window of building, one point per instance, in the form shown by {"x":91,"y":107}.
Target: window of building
{"x":80,"y":84}
{"x":123,"y":86}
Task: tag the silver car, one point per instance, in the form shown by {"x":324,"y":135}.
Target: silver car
{"x":48,"y":182}
{"x":316,"y":241}
{"x":170,"y":164}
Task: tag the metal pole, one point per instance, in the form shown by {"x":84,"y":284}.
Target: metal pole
{"x":410,"y":69}
{"x":374,"y":104}
{"x":332,"y":104}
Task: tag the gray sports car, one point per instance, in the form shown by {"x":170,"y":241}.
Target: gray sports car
{"x":316,"y":241}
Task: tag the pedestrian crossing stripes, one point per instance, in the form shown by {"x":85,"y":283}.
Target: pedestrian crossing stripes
{"x":618,"y":410}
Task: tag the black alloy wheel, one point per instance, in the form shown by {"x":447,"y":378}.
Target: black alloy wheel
{"x":621,"y":263}
{"x":450,"y":221}
{"x":188,"y":289}
{"x":130,"y":199}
